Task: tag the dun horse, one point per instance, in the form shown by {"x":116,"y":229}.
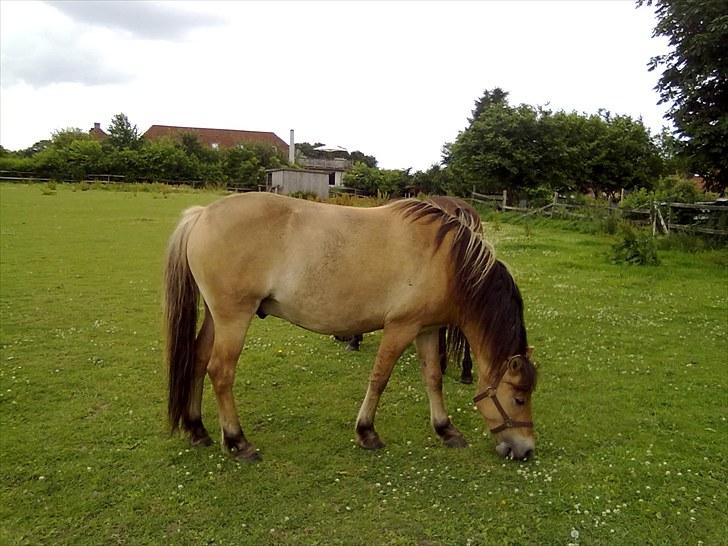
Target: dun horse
{"x":407,"y":268}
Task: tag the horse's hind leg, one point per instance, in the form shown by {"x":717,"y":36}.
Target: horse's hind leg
{"x":394,"y":341}
{"x":192,"y":421}
{"x":226,"y":349}
{"x":466,"y":376}
{"x":442,"y":347}
{"x":428,"y":350}
{"x":354,"y":342}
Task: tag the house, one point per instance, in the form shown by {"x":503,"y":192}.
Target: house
{"x":97,"y":133}
{"x":334,"y":167}
{"x":219,"y":138}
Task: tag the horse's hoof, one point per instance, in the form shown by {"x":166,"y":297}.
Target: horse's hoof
{"x":466,"y":380}
{"x":455,"y":441}
{"x":371,"y":442}
{"x":201,"y":441}
{"x":248,"y":455}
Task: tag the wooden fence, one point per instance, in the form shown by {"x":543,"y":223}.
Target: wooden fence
{"x":706,"y":218}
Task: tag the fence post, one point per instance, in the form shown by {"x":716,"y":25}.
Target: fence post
{"x":554,"y":203}
{"x":505,"y":199}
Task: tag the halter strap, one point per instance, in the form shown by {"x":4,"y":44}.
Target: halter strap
{"x":490,"y":392}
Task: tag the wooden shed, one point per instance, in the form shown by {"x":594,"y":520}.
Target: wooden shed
{"x":288,"y":181}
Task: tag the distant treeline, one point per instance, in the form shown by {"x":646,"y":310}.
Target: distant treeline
{"x":529,"y":151}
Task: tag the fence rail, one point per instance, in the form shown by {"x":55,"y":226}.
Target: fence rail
{"x":708,"y":218}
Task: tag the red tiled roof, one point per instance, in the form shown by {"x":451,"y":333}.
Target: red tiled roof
{"x":98,"y":133}
{"x":224,"y":138}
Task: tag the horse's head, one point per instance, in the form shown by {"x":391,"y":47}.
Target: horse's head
{"x":506,"y":407}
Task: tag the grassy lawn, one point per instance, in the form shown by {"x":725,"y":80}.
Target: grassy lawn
{"x":630,"y":410}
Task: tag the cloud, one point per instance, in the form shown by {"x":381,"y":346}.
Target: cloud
{"x":57,"y":58}
{"x":143,"y":19}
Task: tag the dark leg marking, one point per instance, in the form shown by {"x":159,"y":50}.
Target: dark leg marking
{"x":368,"y":437}
{"x":197,"y":432}
{"x":355,"y":342}
{"x":450,"y":435}
{"x":241,"y":448}
{"x":467,"y":374}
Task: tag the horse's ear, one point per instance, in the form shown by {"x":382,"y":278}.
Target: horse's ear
{"x":529,"y":352}
{"x":514,"y":364}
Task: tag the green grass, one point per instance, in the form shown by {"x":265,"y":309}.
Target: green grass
{"x":630,"y":410}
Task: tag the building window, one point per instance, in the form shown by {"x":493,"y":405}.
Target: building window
{"x":332,"y":179}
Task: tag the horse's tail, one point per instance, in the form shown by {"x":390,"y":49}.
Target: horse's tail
{"x":180,"y":317}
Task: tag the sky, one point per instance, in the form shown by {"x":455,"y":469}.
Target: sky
{"x":396,"y":80}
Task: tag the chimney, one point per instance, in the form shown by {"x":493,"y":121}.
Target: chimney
{"x":97,"y":126}
{"x":292,"y":150}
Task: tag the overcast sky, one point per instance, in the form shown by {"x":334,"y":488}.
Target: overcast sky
{"x":393,"y":79}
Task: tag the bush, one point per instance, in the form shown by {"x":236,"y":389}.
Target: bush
{"x":307,"y":195}
{"x":610,"y":223}
{"x":670,"y":189}
{"x":637,"y":248}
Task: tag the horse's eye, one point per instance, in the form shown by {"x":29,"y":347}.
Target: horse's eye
{"x":520,"y":401}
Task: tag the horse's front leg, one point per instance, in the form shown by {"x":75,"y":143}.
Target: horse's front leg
{"x":428,"y":352}
{"x":395,"y":339}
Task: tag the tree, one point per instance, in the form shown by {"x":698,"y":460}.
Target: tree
{"x":368,"y":160}
{"x":532,"y":150}
{"x":695,"y":80}
{"x":364,"y":178}
{"x":625,"y":155}
{"x":35,"y":148}
{"x":122,"y":134}
{"x":190,"y":143}
{"x":163,"y":159}
{"x":499,"y":150}
{"x":241,"y":166}
{"x":672,"y":152}
{"x":497,"y":97}
{"x":309,"y":150}
{"x":434,"y":181}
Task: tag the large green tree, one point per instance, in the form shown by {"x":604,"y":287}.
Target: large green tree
{"x":496,"y":97}
{"x":122,"y":134}
{"x":694,"y":81}
{"x":527,"y":149}
{"x":498,"y":150}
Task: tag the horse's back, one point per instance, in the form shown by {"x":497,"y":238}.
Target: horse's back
{"x":328,"y":268}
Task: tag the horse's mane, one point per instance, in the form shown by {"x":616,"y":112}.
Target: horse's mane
{"x":460,"y":209}
{"x":484,"y":292}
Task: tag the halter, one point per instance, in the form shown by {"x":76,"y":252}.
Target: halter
{"x":490,"y":392}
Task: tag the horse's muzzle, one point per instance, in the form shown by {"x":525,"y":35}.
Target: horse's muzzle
{"x":521,"y":449}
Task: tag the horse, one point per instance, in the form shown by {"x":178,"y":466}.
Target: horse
{"x":406,"y":268}
{"x":463,"y":211}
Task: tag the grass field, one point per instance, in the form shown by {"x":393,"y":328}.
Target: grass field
{"x":630,"y":410}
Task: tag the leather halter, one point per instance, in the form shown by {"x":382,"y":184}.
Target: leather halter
{"x":490,"y":392}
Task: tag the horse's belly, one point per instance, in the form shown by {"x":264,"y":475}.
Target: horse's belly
{"x":341,"y":321}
